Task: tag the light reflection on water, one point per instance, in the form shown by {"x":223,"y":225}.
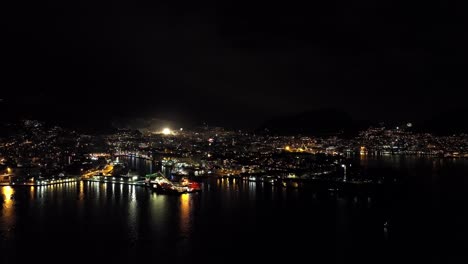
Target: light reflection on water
{"x":185,"y":214}
{"x":8,"y":216}
{"x":81,"y":193}
{"x":133,"y":216}
{"x":32,"y":192}
{"x":229,"y":214}
{"x":159,"y":212}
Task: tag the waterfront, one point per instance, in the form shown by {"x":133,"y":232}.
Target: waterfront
{"x":237,"y":220}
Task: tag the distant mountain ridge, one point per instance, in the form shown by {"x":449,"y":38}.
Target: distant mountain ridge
{"x":450,"y":121}
{"x":328,"y":121}
{"x":316,"y":122}
{"x":319,"y":122}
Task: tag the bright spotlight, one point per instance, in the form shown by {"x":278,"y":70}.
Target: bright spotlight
{"x":166,"y":131}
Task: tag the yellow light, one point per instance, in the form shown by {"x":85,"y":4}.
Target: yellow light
{"x":8,"y":192}
{"x":8,"y":170}
{"x":166,"y":131}
{"x":363,"y":150}
{"x":287,"y":148}
{"x":184,"y":212}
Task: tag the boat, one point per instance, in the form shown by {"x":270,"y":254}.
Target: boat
{"x":192,"y":186}
{"x":254,"y":178}
{"x":163,"y":185}
{"x":159,"y":183}
{"x":269,"y":179}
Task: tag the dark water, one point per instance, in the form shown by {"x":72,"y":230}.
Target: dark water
{"x":242,"y":221}
{"x":139,"y":166}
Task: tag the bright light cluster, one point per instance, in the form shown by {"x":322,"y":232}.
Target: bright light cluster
{"x":166,"y":131}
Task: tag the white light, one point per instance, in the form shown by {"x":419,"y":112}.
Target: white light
{"x":166,"y":131}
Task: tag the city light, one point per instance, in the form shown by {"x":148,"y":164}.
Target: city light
{"x":166,"y":131}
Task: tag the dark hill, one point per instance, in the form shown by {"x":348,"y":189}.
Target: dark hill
{"x":319,"y":122}
{"x":446,"y":122}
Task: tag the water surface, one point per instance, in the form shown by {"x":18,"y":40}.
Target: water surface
{"x":242,"y":221}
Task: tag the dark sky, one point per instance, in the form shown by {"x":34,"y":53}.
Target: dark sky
{"x":238,"y":63}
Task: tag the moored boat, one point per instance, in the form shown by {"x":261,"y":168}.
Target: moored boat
{"x":160,"y":183}
{"x":194,"y":187}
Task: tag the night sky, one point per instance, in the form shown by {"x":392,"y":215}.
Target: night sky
{"x":233,"y":63}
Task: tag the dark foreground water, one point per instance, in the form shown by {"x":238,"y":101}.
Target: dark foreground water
{"x":243,"y":221}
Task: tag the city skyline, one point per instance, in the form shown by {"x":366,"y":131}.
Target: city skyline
{"x":318,"y":122}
